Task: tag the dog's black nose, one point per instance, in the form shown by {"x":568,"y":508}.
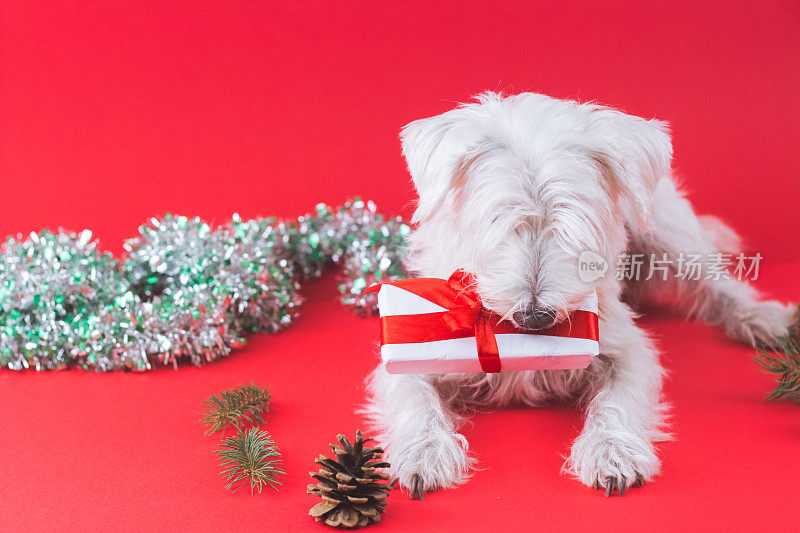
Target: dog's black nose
{"x":532,"y":318}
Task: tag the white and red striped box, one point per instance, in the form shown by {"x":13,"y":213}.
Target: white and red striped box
{"x":570,"y":344}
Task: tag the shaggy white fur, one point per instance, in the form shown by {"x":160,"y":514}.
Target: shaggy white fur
{"x":513,"y":189}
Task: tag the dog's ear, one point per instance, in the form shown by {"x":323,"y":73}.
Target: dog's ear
{"x":434,"y":148}
{"x":634,"y":154}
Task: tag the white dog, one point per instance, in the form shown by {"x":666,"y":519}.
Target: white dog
{"x":513,"y":189}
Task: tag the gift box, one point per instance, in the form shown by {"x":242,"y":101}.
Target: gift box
{"x":436,"y":326}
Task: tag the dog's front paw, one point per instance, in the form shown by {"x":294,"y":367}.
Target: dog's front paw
{"x":614,"y":461}
{"x":416,"y":490}
{"x":429,"y":463}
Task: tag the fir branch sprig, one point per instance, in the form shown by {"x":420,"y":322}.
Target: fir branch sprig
{"x":250,"y":456}
{"x":786,"y":366}
{"x":235,"y":406}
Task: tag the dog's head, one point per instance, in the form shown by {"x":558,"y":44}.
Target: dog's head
{"x":514,"y":189}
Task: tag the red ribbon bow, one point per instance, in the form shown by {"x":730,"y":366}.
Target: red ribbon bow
{"x":465,"y":317}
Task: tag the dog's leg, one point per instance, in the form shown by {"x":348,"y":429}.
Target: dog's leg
{"x":418,"y":432}
{"x":728,"y":302}
{"x":615,"y":449}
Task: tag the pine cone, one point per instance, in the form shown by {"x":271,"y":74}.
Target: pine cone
{"x":350,"y":488}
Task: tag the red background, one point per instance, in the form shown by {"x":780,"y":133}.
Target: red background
{"x":112,"y":112}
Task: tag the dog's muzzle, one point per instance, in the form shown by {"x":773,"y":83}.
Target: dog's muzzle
{"x":532,"y":318}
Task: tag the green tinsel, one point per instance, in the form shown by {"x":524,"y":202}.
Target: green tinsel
{"x":184,"y":291}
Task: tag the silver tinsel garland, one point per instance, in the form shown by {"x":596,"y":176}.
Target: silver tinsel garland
{"x":184,"y":291}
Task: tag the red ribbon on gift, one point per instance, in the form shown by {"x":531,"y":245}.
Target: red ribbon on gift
{"x":465,"y":317}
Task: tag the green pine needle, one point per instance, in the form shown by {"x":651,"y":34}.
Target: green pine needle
{"x":787,"y":366}
{"x":250,"y":456}
{"x":235,"y":406}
